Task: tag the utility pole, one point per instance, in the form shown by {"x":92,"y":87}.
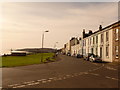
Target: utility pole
{"x":43,"y":45}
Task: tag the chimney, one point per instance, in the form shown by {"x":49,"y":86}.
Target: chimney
{"x":90,"y":32}
{"x":72,"y":38}
{"x":83,"y":33}
{"x":100,"y":27}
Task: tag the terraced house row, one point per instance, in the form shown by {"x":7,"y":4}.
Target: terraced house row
{"x":104,"y":42}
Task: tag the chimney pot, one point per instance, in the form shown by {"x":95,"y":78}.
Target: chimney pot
{"x":100,"y":27}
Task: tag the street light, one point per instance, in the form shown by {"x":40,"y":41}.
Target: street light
{"x":55,"y":46}
{"x":43,"y":38}
{"x":43,"y":44}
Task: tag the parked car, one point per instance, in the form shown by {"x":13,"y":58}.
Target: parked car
{"x":56,"y":54}
{"x":95,"y":58}
{"x":79,"y":56}
{"x":63,"y":53}
{"x":68,"y":54}
{"x":86,"y":57}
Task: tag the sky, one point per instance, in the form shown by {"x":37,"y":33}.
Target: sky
{"x":23,"y":23}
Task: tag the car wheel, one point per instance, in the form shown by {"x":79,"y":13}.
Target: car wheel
{"x":91,"y":60}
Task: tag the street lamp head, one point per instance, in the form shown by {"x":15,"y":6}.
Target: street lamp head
{"x":46,"y":31}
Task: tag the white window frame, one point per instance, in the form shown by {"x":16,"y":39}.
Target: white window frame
{"x":107,"y":52}
{"x":107,"y":36}
{"x":102,"y":38}
{"x":116,"y":34}
{"x":116,"y":51}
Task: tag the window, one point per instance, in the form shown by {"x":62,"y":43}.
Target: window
{"x":116,"y":32}
{"x":116,"y":49}
{"x":85,"y":42}
{"x":93,"y":40}
{"x":88,"y":49}
{"x":102,"y":38}
{"x":96,"y":39}
{"x":96,"y":51}
{"x":92,"y":50}
{"x":101,"y":52}
{"x":107,"y":36}
{"x":107,"y":51}
{"x":90,"y":40}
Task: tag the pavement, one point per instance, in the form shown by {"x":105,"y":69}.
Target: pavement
{"x":66,"y":72}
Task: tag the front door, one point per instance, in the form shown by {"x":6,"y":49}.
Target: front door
{"x":101,"y":52}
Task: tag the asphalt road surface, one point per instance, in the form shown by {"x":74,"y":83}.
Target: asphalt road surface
{"x":66,"y":72}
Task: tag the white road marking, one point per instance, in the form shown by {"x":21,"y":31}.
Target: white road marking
{"x":10,"y":85}
{"x":64,"y":77}
{"x":94,"y":74}
{"x":80,"y":73}
{"x":72,"y":76}
{"x":98,"y":67}
{"x":39,"y":80}
{"x":112,"y":78}
{"x":49,"y":80}
{"x":59,"y":79}
{"x":44,"y":81}
{"x":85,"y":72}
{"x":68,"y":75}
{"x":115,"y":79}
{"x":108,"y":77}
{"x":76,"y":74}
{"x":54,"y":78}
{"x":20,"y":86}
{"x":30,"y":84}
{"x":13,"y":85}
{"x":37,"y":83}
{"x":111,"y":68}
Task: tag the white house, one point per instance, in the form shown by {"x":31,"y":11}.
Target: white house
{"x":99,"y":43}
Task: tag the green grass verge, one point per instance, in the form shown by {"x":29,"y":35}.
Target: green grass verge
{"x":12,"y":61}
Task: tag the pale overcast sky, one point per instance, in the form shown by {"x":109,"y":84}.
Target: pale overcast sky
{"x":23,"y":23}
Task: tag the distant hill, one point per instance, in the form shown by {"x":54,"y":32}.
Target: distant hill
{"x":37,"y":50}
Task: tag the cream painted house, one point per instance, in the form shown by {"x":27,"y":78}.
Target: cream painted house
{"x":101,"y":43}
{"x":67,"y":50}
{"x":75,"y":50}
{"x":105,"y":43}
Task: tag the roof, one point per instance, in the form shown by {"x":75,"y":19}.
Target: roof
{"x":118,"y":22}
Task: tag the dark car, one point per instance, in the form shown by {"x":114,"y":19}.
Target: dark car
{"x":63,"y":53}
{"x":86,"y":57}
{"x":79,"y":56}
{"x":95,"y":58}
{"x":68,"y":54}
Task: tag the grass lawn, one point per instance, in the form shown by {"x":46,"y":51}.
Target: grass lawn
{"x":12,"y":61}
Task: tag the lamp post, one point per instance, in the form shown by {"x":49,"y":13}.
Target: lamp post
{"x":43,"y":45}
{"x":55,"y":46}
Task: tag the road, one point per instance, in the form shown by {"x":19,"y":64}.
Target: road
{"x":66,"y":72}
